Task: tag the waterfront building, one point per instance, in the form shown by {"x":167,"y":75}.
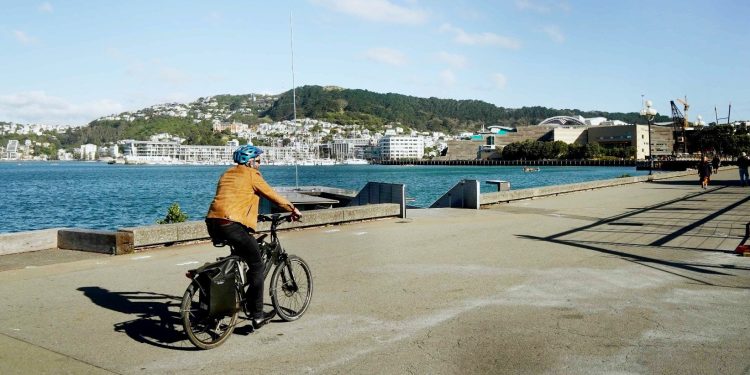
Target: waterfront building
{"x":399,"y":147}
{"x":11,"y":151}
{"x":662,"y":141}
{"x":571,"y":134}
{"x":150,"y":152}
{"x":349,"y":148}
{"x":173,"y":151}
{"x":88,"y":152}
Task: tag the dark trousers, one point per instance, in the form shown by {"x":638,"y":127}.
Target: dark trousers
{"x":245,"y":246}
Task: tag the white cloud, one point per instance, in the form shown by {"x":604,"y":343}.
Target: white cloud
{"x":554,"y":33}
{"x":447,"y":77}
{"x":38,"y":107}
{"x":45,"y":7}
{"x":23,"y":38}
{"x":376,"y":10}
{"x":486,"y":38}
{"x":499,"y":80}
{"x":386,"y":56}
{"x":454,"y":60}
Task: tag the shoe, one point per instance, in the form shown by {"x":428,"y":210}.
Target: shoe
{"x":261,"y":321}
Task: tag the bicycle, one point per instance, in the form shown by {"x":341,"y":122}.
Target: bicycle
{"x":216,"y":294}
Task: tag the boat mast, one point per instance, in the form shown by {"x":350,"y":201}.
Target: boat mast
{"x":294,"y":94}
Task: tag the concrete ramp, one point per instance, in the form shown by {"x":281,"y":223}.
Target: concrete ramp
{"x":464,"y":194}
{"x":381,"y":192}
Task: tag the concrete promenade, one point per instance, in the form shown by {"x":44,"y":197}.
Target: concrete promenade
{"x":637,"y":278}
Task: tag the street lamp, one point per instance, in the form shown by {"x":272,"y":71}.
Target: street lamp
{"x":649,"y":113}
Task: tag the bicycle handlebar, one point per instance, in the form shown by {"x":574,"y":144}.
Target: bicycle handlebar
{"x":275,"y":218}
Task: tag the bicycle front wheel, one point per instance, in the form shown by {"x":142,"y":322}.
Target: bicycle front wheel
{"x":291,"y":288}
{"x":204,"y":331}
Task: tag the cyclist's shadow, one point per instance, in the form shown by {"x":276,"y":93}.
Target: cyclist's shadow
{"x":158,"y":318}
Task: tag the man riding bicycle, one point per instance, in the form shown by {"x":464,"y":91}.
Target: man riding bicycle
{"x":233,"y":216}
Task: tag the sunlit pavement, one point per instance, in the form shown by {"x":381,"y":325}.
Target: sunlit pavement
{"x":638,"y":278}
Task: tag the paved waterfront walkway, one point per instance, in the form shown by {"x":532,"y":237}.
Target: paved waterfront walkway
{"x":631,"y":279}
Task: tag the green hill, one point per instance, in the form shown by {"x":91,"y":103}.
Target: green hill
{"x":333,"y":104}
{"x":373,"y":110}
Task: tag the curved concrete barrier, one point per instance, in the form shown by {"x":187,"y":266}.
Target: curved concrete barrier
{"x":487,"y":199}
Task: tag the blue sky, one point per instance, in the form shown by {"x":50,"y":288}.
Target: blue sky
{"x":69,"y":62}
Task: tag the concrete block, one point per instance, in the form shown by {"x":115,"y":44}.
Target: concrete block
{"x":124,"y":243}
{"x":98,"y":241}
{"x":371,"y":212}
{"x":153,"y":234}
{"x":191,"y":230}
{"x":11,"y":243}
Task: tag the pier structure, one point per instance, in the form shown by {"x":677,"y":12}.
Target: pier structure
{"x":632,"y":278}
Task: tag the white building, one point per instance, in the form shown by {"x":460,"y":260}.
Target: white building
{"x":349,"y":148}
{"x":174,"y":152}
{"x":11,"y":151}
{"x":88,"y":152}
{"x":394,"y":147}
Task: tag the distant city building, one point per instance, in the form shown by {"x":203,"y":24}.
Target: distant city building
{"x":152,"y":152}
{"x":233,"y":127}
{"x":174,"y":152}
{"x":579,"y":121}
{"x":396,"y":147}
{"x":570,"y":134}
{"x":11,"y":150}
{"x":662,"y":142}
{"x":349,"y":148}
{"x":88,"y":152}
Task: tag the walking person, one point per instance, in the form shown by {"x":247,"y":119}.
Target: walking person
{"x":716,"y":163}
{"x":742,"y":163}
{"x":233,"y":216}
{"x":704,"y":172}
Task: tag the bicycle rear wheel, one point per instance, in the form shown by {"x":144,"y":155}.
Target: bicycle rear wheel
{"x":291,"y":288}
{"x":204,"y":331}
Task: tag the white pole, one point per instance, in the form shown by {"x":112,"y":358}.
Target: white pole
{"x":294,"y":95}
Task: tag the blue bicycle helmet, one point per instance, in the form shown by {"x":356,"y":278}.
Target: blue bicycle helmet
{"x":246,"y":153}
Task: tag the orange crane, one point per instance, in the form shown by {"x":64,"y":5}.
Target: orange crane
{"x":680,"y":123}
{"x":686,"y":107}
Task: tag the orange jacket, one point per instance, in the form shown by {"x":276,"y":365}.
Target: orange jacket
{"x":238,"y":196}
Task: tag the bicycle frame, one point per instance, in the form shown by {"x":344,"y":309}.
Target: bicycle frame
{"x":275,"y":255}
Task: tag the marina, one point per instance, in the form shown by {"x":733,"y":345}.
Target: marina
{"x":39,"y":195}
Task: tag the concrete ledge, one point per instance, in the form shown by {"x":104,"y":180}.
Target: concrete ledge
{"x":97,"y":241}
{"x":130,"y":239}
{"x":513,"y":195}
{"x":11,"y":243}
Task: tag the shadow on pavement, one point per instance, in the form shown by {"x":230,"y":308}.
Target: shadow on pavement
{"x":667,"y":236}
{"x":697,"y":184}
{"x":157,"y":319}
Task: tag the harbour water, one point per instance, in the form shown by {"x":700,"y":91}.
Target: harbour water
{"x":40,"y":195}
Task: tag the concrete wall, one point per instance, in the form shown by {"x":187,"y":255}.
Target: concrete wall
{"x":131,"y":239}
{"x":379,"y":193}
{"x":569,"y":135}
{"x":513,"y":195}
{"x":464,"y":194}
{"x":11,"y":243}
